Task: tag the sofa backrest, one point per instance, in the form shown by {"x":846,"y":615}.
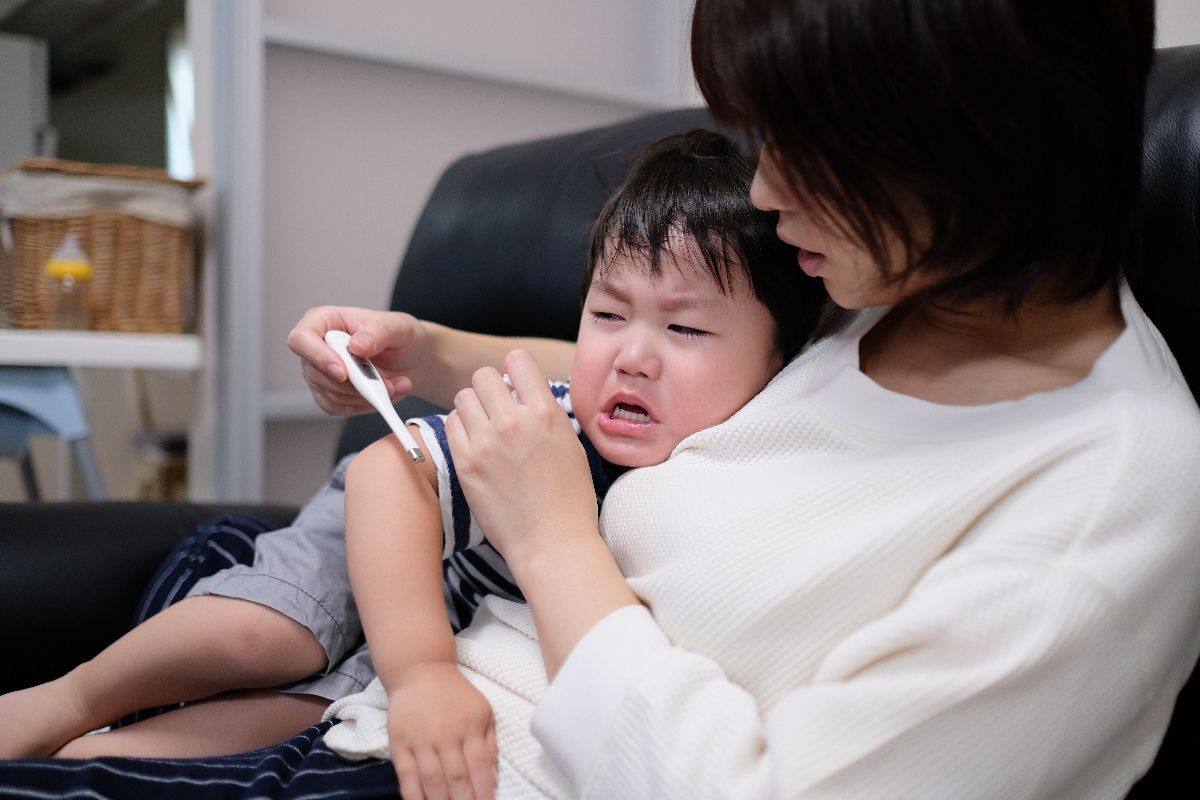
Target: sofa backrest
{"x":501,"y":244}
{"x":1165,"y":273}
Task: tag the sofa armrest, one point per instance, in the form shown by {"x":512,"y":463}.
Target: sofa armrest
{"x":71,"y":575}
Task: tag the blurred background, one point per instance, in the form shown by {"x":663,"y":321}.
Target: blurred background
{"x":319,"y":129}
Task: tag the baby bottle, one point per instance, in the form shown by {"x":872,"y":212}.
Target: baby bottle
{"x":69,"y":274}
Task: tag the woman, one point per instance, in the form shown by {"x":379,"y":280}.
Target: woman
{"x":950,"y":551}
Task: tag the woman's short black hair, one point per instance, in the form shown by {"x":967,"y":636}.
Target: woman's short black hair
{"x":1013,"y":127}
{"x":694,"y":188}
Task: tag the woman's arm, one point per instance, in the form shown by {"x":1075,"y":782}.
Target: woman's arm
{"x":424,"y":358}
{"x":1028,"y":697}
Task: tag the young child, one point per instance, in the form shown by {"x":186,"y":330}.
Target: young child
{"x":692,"y":304}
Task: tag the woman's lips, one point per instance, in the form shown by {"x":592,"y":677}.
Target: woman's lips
{"x":809,"y":261}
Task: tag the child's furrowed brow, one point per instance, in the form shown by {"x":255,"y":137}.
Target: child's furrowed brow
{"x":613,"y":291}
{"x":676,"y":302}
{"x":686,"y":302}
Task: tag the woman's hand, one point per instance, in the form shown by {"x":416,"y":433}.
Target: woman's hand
{"x":520,"y":463}
{"x":526,"y":479}
{"x":393,"y":340}
{"x":441,"y":735}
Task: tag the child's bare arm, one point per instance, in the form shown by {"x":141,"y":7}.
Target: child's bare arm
{"x":440,"y":727}
{"x":394,"y":552}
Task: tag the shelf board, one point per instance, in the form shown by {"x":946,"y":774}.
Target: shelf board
{"x":51,"y":348}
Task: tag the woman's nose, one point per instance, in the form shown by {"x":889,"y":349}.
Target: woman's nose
{"x":762,"y":195}
{"x":765,"y":191}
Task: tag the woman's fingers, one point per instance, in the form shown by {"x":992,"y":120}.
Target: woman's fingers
{"x":495,"y":396}
{"x":469,"y":413}
{"x":307,"y":340}
{"x":373,"y":333}
{"x":334,"y":397}
{"x":527,"y":378}
{"x":392,"y":340}
{"x":490,"y":398}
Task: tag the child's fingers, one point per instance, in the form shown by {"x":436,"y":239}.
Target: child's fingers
{"x":433,"y":778}
{"x":481,"y":762}
{"x":458,"y":775}
{"x":406,"y":772}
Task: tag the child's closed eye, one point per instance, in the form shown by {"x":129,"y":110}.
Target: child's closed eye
{"x":691,"y":333}
{"x":606,"y":316}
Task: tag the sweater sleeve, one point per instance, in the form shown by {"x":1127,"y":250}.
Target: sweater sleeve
{"x":998,"y":678}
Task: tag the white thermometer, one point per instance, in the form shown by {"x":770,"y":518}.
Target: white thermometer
{"x":366,"y":379}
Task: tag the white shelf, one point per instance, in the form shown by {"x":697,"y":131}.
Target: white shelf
{"x":46,"y":348}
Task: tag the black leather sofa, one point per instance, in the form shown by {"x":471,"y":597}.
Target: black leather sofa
{"x":498,"y":249}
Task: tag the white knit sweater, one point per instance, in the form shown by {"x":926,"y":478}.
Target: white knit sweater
{"x":860,"y":594}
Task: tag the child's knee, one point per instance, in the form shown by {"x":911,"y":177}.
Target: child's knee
{"x":262,"y":636}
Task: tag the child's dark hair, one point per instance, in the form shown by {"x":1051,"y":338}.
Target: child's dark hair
{"x":1013,"y":127}
{"x":694,"y":187}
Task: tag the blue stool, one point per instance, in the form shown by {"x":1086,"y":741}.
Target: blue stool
{"x":36,"y":401}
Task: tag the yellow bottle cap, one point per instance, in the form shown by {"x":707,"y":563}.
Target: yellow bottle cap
{"x":69,"y":261}
{"x":76,"y":270}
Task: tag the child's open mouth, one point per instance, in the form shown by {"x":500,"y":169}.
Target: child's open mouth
{"x":630,"y":413}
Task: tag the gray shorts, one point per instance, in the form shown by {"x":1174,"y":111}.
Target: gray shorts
{"x":300,"y":571}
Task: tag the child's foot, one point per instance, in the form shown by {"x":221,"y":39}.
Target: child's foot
{"x":35,"y":722}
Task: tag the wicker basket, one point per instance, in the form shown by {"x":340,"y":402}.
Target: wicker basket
{"x":135,"y":224}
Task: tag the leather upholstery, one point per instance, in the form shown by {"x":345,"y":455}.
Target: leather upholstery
{"x":71,"y":575}
{"x":1165,"y":273}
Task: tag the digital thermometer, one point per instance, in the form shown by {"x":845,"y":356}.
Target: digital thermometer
{"x":366,"y":380}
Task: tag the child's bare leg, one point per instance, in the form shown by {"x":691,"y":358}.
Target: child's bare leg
{"x":197,"y":648}
{"x":230,"y":723}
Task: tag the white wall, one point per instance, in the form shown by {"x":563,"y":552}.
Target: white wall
{"x":615,"y":49}
{"x":362,"y":113}
{"x":1178,"y":23}
{"x":356,"y":140}
{"x":353,"y":151}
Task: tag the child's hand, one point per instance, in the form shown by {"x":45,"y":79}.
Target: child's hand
{"x":441,"y":735}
